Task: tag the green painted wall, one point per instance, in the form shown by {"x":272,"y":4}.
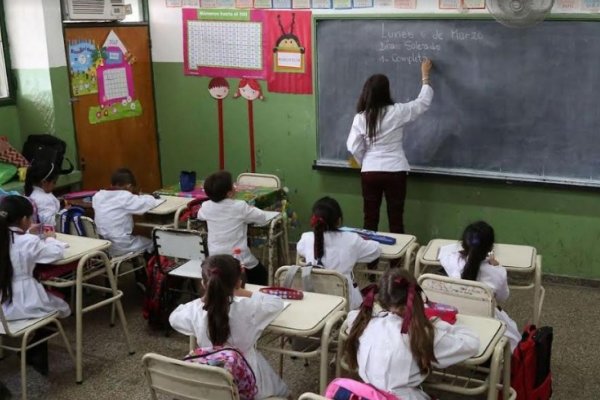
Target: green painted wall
{"x":9,"y":123}
{"x":43,"y":104}
{"x":562,"y":223}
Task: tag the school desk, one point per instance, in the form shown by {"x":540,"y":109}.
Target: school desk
{"x":522,"y":262}
{"x":313,"y":316}
{"x":163,"y":214}
{"x":92,"y":262}
{"x":492,"y":346}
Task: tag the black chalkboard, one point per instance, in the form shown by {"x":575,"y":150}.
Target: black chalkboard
{"x":520,"y":104}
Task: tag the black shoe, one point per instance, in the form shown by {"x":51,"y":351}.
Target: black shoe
{"x":5,"y":394}
{"x":37,"y":357}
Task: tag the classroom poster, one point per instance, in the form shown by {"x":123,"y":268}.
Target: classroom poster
{"x":263,"y":4}
{"x":116,"y":93}
{"x":362,"y":3}
{"x":83,"y":61}
{"x":567,"y":5}
{"x":473,"y":4}
{"x":244,"y":3}
{"x":289,"y":51}
{"x":449,"y":4}
{"x":384,"y":3}
{"x":282,"y":3}
{"x":224,"y":42}
{"x":341,"y":4}
{"x":300,"y":3}
{"x":173,"y":3}
{"x":321,"y":4}
{"x":590,"y":5}
{"x":190,"y":3}
{"x":405,"y":4}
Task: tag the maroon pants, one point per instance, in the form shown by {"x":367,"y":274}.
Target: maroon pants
{"x":393,"y":186}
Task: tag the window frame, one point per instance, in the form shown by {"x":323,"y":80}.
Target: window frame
{"x":12,"y":97}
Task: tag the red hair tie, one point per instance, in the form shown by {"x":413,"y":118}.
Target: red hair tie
{"x":315,"y":220}
{"x":214,"y":272}
{"x":369,"y":299}
{"x":413,"y":289}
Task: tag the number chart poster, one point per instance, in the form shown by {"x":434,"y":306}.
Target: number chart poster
{"x":224,"y":43}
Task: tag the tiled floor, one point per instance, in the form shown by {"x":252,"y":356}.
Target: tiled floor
{"x":111,"y":374}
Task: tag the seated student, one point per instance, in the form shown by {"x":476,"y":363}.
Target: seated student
{"x":232,"y":316}
{"x":227,"y":220}
{"x":474,"y":260}
{"x":113,"y":213}
{"x":334,"y":249}
{"x":39,"y":183}
{"x":22,"y":296}
{"x":395,"y":348}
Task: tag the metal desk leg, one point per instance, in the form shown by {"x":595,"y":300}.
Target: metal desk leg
{"x":538,"y":291}
{"x":418,"y":262}
{"x":408,"y":257}
{"x":325,"y":335}
{"x":495,"y":368}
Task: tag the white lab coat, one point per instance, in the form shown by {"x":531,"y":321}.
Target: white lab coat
{"x":248,"y":317}
{"x":386,"y":153}
{"x":113,"y":214}
{"x":29,"y":298}
{"x":342,"y":250}
{"x":386,"y":361}
{"x":494,"y":276}
{"x":47,"y":206}
{"x":227,"y":223}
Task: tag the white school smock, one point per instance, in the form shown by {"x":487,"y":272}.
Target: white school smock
{"x":386,"y":361}
{"x":47,"y":206}
{"x":29,"y":298}
{"x":227,"y":223}
{"x":386,"y":153}
{"x":248,"y":317}
{"x":342,"y":250}
{"x":494,"y":276}
{"x":113,"y":214}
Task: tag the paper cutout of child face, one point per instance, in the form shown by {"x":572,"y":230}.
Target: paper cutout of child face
{"x":218,"y":88}
{"x":250,"y":90}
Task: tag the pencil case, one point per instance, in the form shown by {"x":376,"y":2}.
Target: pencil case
{"x":284,"y":293}
{"x":444,"y":312}
{"x":371,"y":235}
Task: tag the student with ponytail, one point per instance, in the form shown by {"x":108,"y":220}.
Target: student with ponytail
{"x":228,"y":315}
{"x":39,"y":183}
{"x":395,"y":348}
{"x":333,"y":249}
{"x":473,"y":260}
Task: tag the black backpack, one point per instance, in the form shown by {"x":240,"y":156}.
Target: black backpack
{"x":47,"y":148}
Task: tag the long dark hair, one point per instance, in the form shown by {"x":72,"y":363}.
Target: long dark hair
{"x":326,"y":216}
{"x":477,"y":242}
{"x":12,"y":210}
{"x":220,"y":274}
{"x":40,"y":172}
{"x":373,"y":100}
{"x":397,"y":291}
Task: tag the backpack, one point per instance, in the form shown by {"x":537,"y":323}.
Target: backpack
{"x":70,"y":217}
{"x":232,"y":360}
{"x":530,"y":373}
{"x":48,"y":149}
{"x":349,"y":389}
{"x":158,"y":301}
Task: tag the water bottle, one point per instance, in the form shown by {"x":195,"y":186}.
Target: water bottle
{"x":237,"y":254}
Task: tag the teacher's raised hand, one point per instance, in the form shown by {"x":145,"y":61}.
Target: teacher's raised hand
{"x":426,"y":65}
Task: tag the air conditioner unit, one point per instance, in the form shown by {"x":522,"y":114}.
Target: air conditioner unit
{"x":93,"y":10}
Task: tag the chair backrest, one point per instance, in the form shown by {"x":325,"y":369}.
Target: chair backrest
{"x":264,"y":180}
{"x":470,"y":297}
{"x":179,"y":243}
{"x":187,"y":381}
{"x":90,"y":227}
{"x":323,"y":281}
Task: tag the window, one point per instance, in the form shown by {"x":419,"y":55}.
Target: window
{"x":6,"y":90}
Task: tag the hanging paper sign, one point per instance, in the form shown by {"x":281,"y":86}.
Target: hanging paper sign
{"x":590,"y":5}
{"x":567,"y":5}
{"x":405,"y":4}
{"x":288,"y":52}
{"x":125,"y":109}
{"x":362,"y":3}
{"x":473,"y":4}
{"x":83,"y":57}
{"x":263,"y":4}
{"x":321,"y":4}
{"x":449,"y":4}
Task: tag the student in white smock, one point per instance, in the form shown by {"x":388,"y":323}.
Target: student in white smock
{"x":334,"y":249}
{"x":114,"y":210}
{"x":473,"y":260}
{"x":395,"y":348}
{"x":22,"y":295}
{"x":232,"y":316}
{"x":227,"y":221}
{"x":40,"y":181}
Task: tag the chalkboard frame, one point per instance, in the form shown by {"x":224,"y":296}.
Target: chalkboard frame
{"x":321,"y":164}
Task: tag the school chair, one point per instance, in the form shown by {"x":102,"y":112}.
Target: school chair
{"x":186,"y":247}
{"x":276,"y":233}
{"x":311,"y":396}
{"x":318,"y":280}
{"x":23,"y":328}
{"x":470,"y":297}
{"x":188,"y":381}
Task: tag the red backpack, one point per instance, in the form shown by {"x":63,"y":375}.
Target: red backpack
{"x":158,"y":304}
{"x":530,"y":373}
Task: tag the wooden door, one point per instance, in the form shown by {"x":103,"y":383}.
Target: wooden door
{"x":128,"y":142}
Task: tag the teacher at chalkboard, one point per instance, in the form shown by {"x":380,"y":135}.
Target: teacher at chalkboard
{"x":375,"y":141}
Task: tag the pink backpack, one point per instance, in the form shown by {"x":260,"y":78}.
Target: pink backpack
{"x":349,"y":389}
{"x":233,"y":361}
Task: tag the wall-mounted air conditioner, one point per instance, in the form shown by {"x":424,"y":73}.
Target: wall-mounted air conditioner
{"x":86,"y":10}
